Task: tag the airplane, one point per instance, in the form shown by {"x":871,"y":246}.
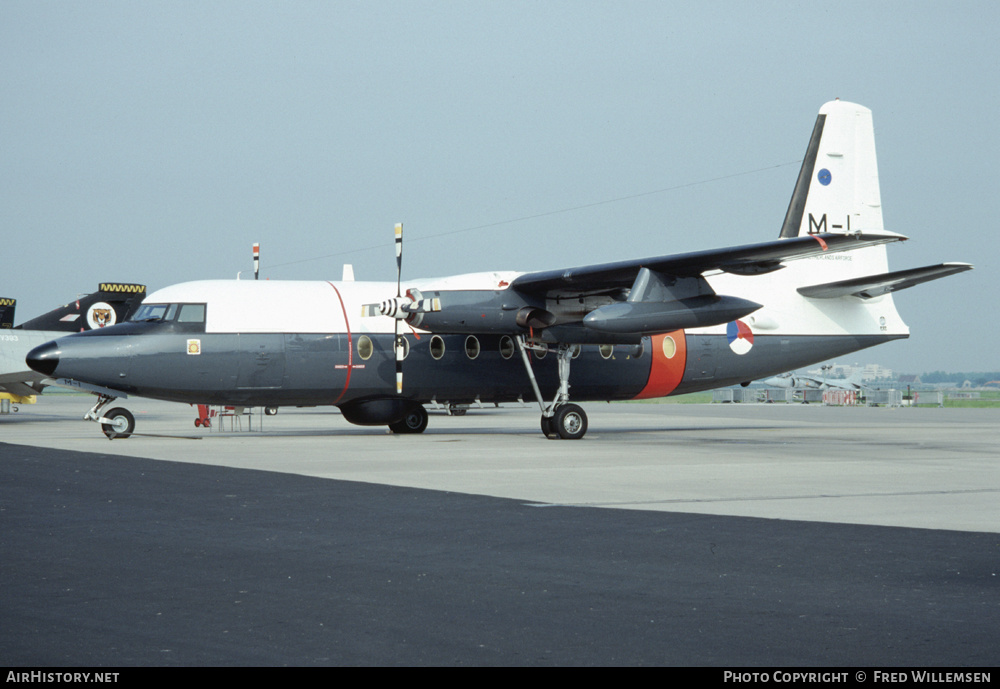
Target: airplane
{"x":788,"y":380}
{"x":112,"y":303}
{"x":633,"y":329}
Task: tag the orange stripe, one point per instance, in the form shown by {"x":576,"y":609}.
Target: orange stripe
{"x":667,"y":369}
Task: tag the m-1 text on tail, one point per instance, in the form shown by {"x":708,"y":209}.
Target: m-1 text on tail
{"x":640,"y":328}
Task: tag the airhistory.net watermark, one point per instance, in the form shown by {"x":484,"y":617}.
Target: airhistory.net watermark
{"x":32,"y":676}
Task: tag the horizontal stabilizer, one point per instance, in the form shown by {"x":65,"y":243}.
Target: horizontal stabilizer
{"x":873,"y":286}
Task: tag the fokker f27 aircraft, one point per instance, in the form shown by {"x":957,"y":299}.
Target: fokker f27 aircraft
{"x":649,"y":327}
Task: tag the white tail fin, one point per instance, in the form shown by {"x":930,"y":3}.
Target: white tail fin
{"x":837,"y":189}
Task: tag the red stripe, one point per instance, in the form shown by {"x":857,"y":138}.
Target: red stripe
{"x":350,"y":344}
{"x":665,"y":373}
{"x":820,"y":240}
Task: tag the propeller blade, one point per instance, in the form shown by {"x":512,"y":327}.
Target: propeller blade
{"x":396,"y":308}
{"x":399,"y":257}
{"x":401,"y":308}
{"x":399,"y":358}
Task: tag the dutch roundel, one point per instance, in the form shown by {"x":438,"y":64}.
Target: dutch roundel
{"x":739,"y":336}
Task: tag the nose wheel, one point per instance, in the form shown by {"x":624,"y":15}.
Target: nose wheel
{"x":120,"y":423}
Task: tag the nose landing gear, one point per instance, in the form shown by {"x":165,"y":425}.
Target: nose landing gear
{"x":117,"y":423}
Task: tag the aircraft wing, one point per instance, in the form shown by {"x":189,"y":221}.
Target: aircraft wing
{"x":18,"y":388}
{"x":750,"y":259}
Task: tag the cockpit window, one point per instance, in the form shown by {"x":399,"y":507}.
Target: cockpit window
{"x":192,"y":313}
{"x":165,"y":313}
{"x":150,"y":312}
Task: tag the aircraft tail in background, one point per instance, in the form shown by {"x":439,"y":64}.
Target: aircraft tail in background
{"x":7,"y":312}
{"x":113,"y":302}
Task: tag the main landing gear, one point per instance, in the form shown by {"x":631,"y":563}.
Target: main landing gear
{"x":413,"y":421}
{"x":117,"y":423}
{"x":559,"y":419}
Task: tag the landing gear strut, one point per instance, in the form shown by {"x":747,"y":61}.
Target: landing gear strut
{"x":559,"y":419}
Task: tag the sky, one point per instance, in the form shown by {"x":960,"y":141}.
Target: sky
{"x":155,"y":142}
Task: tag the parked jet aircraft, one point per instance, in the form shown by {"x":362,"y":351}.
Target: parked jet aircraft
{"x":649,"y":327}
{"x":788,"y":380}
{"x":111,"y":303}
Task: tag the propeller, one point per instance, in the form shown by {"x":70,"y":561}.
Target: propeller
{"x":401,"y":308}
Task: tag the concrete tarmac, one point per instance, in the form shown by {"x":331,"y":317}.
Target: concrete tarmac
{"x":726,"y":536}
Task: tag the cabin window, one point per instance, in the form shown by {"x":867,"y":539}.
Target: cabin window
{"x":471,"y":346}
{"x":669,"y":347}
{"x":506,"y":347}
{"x":437,"y":347}
{"x":365,"y":347}
{"x":607,"y":350}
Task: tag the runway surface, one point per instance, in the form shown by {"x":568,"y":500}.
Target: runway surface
{"x":671,"y":535}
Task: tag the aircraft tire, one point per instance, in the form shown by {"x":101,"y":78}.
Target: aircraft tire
{"x":122,"y":423}
{"x":270,"y":411}
{"x":548,"y":428}
{"x":570,"y":422}
{"x":413,"y":421}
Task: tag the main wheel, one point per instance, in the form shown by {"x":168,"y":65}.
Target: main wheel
{"x":121,"y":425}
{"x":570,"y":422}
{"x":414,"y":421}
{"x":549,"y":428}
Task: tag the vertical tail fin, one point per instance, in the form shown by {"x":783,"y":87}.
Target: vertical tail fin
{"x":112,"y":303}
{"x":837,"y":189}
{"x":7,"y":312}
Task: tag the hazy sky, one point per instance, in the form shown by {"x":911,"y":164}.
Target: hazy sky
{"x":154,"y":142}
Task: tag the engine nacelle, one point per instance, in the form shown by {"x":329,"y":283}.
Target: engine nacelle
{"x":500,"y":312}
{"x":656,"y":317}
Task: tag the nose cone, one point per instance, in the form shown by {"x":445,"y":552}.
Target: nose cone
{"x":44,"y":358}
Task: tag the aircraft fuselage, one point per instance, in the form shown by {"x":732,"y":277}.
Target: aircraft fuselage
{"x":194,"y":362}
